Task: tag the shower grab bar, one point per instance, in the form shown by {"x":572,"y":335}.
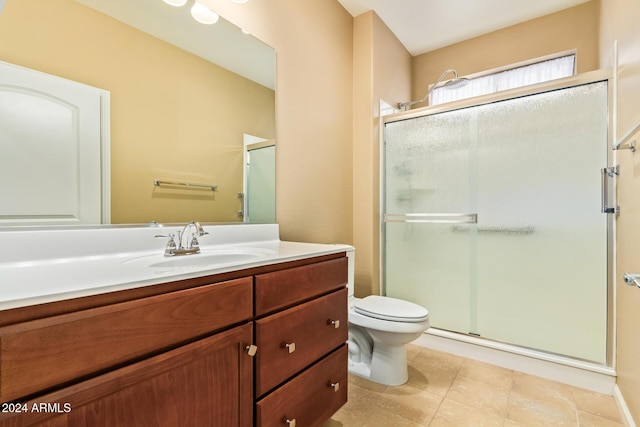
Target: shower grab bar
{"x":433,"y":218}
{"x":632,"y":279}
{"x":158,"y":183}
{"x":606,"y":173}
{"x":497,"y":230}
{"x":632,"y":145}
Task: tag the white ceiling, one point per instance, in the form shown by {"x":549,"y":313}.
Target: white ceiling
{"x":426,"y":25}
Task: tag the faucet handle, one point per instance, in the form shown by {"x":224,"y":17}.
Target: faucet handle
{"x":171,"y":247}
{"x":199,"y":230}
{"x":194,"y":241}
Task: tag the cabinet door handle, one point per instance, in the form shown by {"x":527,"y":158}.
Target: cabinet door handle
{"x":291,"y":347}
{"x":335,"y":323}
{"x":290,"y":423}
{"x":334,"y":386}
{"x":251,"y":350}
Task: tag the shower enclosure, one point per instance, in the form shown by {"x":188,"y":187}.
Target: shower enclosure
{"x":493,"y":216}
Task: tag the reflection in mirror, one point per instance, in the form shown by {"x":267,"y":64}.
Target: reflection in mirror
{"x":174,"y":115}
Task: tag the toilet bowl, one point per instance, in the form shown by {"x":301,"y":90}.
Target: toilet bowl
{"x":379,"y":329}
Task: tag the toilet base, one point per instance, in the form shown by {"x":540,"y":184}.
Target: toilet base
{"x":388,"y":366}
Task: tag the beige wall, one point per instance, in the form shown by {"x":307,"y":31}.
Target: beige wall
{"x":619,"y":21}
{"x":574,"y":28}
{"x":314,"y":93}
{"x":382,"y":68}
{"x":165,"y":108}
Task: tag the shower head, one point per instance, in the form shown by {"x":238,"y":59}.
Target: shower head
{"x":455,"y":83}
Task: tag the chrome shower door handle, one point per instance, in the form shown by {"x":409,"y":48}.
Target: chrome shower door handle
{"x":433,"y":218}
{"x":605,"y":174}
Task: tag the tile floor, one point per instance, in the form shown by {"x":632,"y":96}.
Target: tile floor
{"x":448,"y":390}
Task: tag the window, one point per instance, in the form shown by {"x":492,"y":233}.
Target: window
{"x":538,"y":72}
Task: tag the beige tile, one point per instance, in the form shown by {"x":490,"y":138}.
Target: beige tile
{"x":591,"y":420}
{"x":373,"y":417}
{"x":449,"y":391}
{"x":358,"y":382}
{"x":449,"y":362}
{"x":433,"y":371}
{"x":492,"y":375}
{"x":541,"y":388}
{"x":534,"y":409}
{"x":333,"y":423}
{"x":413,"y":403}
{"x":360,"y":399}
{"x":537,"y":401}
{"x":597,"y":404}
{"x":479,"y":395}
{"x":455,"y":414}
{"x":412,"y":351}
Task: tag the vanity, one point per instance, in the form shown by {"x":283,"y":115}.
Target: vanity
{"x":251,"y":331}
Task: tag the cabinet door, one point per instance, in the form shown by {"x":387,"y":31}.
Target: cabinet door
{"x":291,"y":340}
{"x":47,"y":353}
{"x":311,"y":398}
{"x":206,"y":383}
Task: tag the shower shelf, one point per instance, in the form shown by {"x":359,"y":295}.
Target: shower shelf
{"x":496,"y":230}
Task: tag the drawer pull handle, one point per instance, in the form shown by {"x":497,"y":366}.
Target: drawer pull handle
{"x":335,"y":323}
{"x":335,"y":386}
{"x":251,"y":350}
{"x":291,"y":347}
{"x":291,"y":423}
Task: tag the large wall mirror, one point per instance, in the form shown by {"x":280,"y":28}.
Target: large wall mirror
{"x":189,"y":103}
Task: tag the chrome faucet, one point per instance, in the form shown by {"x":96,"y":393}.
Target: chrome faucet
{"x":175,"y":245}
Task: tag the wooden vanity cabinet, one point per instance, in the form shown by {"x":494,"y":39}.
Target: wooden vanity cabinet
{"x":184,"y":357}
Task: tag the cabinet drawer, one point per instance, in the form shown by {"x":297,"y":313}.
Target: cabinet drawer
{"x":284,"y":288}
{"x":44,"y":353}
{"x":309,"y":328}
{"x":311,"y":398}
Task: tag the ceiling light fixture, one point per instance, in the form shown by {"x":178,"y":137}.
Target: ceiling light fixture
{"x":176,"y":3}
{"x":203,"y":14}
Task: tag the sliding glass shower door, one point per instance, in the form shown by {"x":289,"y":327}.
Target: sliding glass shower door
{"x":493,"y":219}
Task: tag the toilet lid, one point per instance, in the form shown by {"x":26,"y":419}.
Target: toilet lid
{"x":392,"y":309}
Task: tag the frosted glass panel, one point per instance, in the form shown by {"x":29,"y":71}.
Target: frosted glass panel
{"x":428,"y":171}
{"x":533,"y":271}
{"x":544,"y":284}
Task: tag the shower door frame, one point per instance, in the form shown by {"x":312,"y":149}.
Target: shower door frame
{"x":564,"y":83}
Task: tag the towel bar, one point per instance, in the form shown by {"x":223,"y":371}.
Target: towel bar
{"x":158,"y":183}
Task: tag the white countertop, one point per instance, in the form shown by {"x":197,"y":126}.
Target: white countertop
{"x":63,"y":265}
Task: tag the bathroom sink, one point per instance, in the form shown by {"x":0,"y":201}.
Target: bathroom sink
{"x":203,"y":260}
{"x":206,"y":258}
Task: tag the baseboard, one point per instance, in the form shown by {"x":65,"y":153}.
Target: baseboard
{"x":585,"y":375}
{"x":627,"y":419}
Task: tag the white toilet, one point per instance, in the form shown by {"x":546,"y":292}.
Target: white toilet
{"x":379,"y":329}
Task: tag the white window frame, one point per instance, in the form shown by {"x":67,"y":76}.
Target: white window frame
{"x":497,"y":79}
